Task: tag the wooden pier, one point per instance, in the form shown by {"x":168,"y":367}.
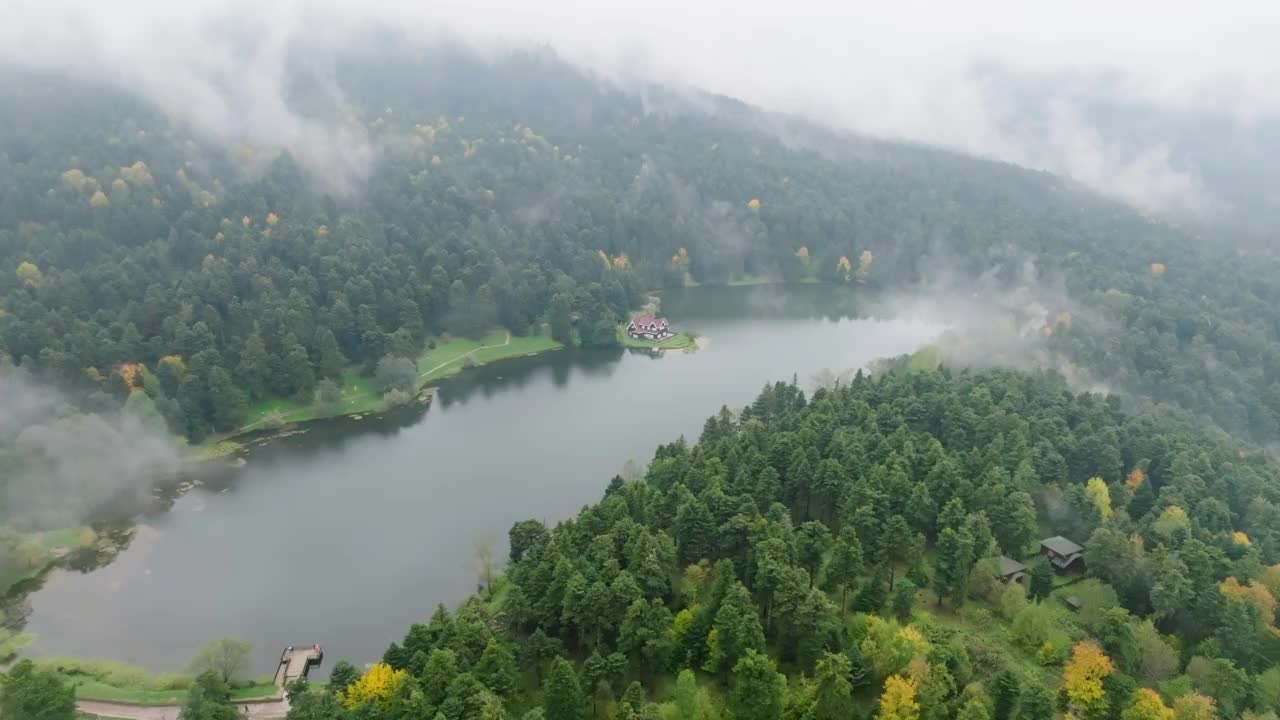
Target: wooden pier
{"x":295,"y":662}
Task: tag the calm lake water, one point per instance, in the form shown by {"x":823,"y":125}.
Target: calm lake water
{"x":348,"y":533}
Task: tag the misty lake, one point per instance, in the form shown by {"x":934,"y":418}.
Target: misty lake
{"x":346,"y":534}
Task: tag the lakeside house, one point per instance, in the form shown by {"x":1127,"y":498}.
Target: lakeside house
{"x":1062,"y":552}
{"x":648,"y":327}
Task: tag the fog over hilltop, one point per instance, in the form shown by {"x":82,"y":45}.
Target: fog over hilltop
{"x":953,"y":74}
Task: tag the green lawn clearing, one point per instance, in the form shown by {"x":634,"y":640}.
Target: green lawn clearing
{"x":361,"y":394}
{"x":91,"y":689}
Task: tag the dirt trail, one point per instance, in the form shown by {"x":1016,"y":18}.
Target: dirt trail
{"x":466,"y":355}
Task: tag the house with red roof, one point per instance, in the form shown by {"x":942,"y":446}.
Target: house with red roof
{"x":648,"y":327}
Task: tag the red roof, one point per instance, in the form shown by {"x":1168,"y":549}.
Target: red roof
{"x":643,"y":319}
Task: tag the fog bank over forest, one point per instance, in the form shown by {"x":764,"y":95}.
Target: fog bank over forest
{"x":60,"y":465}
{"x":1029,"y":84}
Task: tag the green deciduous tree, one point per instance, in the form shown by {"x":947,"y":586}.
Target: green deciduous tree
{"x":32,"y":694}
{"x":756,"y":688}
{"x":208,"y":699}
{"x":226,"y":657}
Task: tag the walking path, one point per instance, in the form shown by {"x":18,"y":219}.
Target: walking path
{"x":257,"y":711}
{"x":467,"y":354}
{"x":294,"y":663}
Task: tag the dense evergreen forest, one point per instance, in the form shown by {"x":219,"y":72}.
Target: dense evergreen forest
{"x":808,"y":558}
{"x":832,"y":557}
{"x":524,"y":194}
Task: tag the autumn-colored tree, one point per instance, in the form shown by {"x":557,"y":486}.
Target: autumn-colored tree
{"x":1254,"y":594}
{"x":376,"y":685}
{"x":1194,"y":707}
{"x":1147,"y":705}
{"x":137,"y":174}
{"x":30,"y":275}
{"x":74,"y":178}
{"x":1096,"y":490}
{"x":99,"y":199}
{"x":898,"y":702}
{"x":1083,"y":675}
{"x":803,"y":255}
{"x":1156,"y":269}
{"x":864,"y":266}
{"x":1135,"y":478}
{"x":754,"y":203}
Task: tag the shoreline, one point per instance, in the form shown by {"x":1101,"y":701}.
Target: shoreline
{"x":461,"y":353}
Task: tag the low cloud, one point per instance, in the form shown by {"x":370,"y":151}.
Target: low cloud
{"x":59,"y":466}
{"x":944,"y":74}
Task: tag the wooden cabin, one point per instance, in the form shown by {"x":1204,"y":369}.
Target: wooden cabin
{"x":1062,"y":553}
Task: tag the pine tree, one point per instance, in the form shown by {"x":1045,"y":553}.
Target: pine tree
{"x":563,"y":697}
{"x":331,"y":361}
{"x":1005,"y":692}
{"x":951,"y":573}
{"x":1036,"y":703}
{"x":845,"y":565}
{"x":497,"y":669}
{"x":833,"y":695}
{"x":904,"y":599}
{"x":735,"y":631}
{"x":1041,"y":579}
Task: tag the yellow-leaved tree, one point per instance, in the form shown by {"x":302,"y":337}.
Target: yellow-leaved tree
{"x":803,"y":255}
{"x":1135,"y":479}
{"x":1255,"y":594}
{"x":754,"y":203}
{"x":99,"y":199}
{"x":1097,"y":492}
{"x":376,"y":685}
{"x":137,"y":173}
{"x":1083,"y":675}
{"x":30,"y":275}
{"x":864,"y":266}
{"x":1147,"y":705}
{"x":898,"y":702}
{"x":74,"y":178}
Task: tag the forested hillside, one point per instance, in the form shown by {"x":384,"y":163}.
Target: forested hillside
{"x":828,"y":557}
{"x":522,"y":193}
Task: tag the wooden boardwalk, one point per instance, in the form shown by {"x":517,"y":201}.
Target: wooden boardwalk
{"x":295,"y":662}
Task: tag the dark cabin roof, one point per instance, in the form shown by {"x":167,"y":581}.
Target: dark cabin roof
{"x":648,"y":320}
{"x":1061,"y":546}
{"x":1009,"y":566}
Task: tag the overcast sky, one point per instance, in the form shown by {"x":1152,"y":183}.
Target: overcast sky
{"x":899,"y":68}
